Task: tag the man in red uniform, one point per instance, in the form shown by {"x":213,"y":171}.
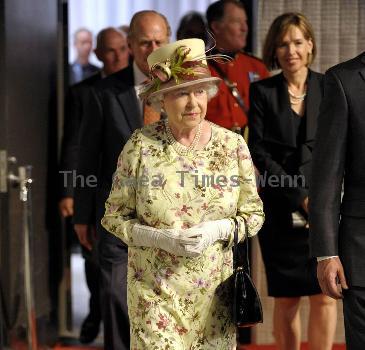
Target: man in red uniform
{"x":227,"y":20}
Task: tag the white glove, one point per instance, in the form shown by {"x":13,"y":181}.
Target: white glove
{"x":208,"y":233}
{"x":173,"y":241}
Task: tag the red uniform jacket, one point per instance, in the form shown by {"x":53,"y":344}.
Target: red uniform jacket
{"x":224,"y":109}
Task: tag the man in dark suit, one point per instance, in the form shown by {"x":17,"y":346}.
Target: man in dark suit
{"x":112,"y":50}
{"x":113,"y":113}
{"x":338,"y":228}
{"x":81,"y":68}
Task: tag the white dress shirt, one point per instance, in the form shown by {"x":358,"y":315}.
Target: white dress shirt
{"x":139,"y":79}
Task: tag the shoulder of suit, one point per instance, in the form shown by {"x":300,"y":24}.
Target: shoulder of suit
{"x":314,"y":74}
{"x":273,"y":82}
{"x":120,"y":80}
{"x":85,"y":85}
{"x":90,"y":80}
{"x":349,"y":65}
{"x":93,"y":67}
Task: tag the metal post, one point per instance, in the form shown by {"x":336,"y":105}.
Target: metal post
{"x":25,"y":182}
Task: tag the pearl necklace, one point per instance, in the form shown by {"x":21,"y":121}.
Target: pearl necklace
{"x":295,"y":99}
{"x":179,"y":148}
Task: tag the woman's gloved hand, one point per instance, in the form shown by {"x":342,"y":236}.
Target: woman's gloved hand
{"x":173,"y":241}
{"x":207,"y":233}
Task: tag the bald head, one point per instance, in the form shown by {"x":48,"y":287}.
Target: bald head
{"x":148,"y":31}
{"x":112,"y":50}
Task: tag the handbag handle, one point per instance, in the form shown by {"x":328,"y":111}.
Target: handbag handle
{"x":236,"y":252}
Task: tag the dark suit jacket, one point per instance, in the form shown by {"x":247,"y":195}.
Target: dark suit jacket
{"x":272,"y":139}
{"x":111,"y":116}
{"x":85,"y":72}
{"x":74,"y":104}
{"x":339,"y":157}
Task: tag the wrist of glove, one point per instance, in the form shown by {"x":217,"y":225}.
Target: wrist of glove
{"x":173,"y":241}
{"x":207,"y":233}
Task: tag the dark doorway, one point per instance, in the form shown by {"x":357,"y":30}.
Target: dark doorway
{"x":28,"y":121}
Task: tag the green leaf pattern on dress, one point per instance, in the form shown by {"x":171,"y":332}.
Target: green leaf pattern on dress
{"x":178,"y":302}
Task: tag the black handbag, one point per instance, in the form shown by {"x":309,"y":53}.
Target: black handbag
{"x":247,"y":308}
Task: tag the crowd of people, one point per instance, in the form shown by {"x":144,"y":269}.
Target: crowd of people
{"x":159,"y":119}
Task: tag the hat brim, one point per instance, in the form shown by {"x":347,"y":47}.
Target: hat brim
{"x":213,"y":80}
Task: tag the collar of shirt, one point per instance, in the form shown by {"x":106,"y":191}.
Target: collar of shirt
{"x":139,"y":78}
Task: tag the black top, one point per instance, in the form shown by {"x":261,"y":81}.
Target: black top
{"x":273,"y":139}
{"x":281,"y":144}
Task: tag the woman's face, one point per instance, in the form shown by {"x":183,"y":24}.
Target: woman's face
{"x":186,"y":107}
{"x":293,"y":51}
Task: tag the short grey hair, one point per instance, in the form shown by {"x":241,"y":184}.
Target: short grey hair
{"x":156,"y":101}
{"x":81,"y":30}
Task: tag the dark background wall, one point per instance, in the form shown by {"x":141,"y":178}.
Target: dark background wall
{"x":28,"y":119}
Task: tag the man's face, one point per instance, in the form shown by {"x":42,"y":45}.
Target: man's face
{"x":83,"y":44}
{"x":231,"y":31}
{"x":113,"y":52}
{"x":150,"y":34}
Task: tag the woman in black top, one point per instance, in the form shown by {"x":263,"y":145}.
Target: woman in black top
{"x":283,"y":120}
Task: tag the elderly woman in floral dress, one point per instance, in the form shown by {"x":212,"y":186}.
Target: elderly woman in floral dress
{"x":178,"y":186}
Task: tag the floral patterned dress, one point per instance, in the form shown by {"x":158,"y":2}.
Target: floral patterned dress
{"x":180,"y":302}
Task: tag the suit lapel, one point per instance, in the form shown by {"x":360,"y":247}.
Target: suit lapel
{"x":362,"y":70}
{"x":313,"y":100}
{"x":128,"y":101}
{"x":312,"y":105}
{"x":286,"y":122}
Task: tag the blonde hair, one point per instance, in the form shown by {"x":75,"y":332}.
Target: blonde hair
{"x":278,"y":29}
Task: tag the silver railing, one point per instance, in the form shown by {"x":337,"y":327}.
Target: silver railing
{"x":24,"y":181}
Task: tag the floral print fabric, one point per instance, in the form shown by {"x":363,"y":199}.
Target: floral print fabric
{"x":179,"y":302}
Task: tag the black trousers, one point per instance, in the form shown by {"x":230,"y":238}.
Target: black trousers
{"x":354,"y":317}
{"x":92,"y":271}
{"x":113,"y":257}
{"x":92,"y":274}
